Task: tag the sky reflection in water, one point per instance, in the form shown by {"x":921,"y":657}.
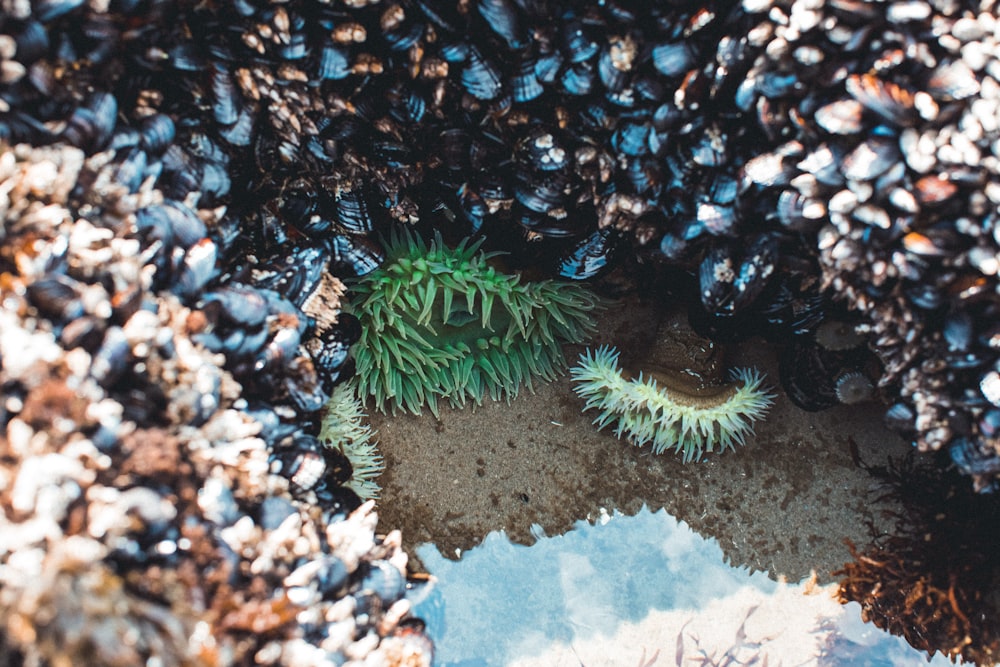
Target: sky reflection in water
{"x":621,"y":590}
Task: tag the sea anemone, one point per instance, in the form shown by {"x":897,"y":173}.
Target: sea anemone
{"x":690,"y":422}
{"x":442,"y":322}
{"x":343,"y":429}
{"x":853,"y":387}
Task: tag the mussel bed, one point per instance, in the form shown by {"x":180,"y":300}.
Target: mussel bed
{"x":188,"y":188}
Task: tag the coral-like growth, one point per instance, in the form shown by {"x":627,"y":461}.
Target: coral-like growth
{"x":343,"y":429}
{"x":690,"y":423}
{"x":442,"y":322}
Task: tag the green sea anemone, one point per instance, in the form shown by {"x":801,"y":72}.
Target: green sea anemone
{"x":344,"y":429}
{"x":689,"y":422}
{"x":442,"y":322}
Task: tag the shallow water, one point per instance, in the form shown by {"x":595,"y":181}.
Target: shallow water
{"x":638,"y":590}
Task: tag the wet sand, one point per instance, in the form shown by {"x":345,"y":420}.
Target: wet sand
{"x":783,"y":504}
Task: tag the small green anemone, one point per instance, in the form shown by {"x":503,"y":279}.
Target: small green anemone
{"x":442,"y":322}
{"x":344,"y":429}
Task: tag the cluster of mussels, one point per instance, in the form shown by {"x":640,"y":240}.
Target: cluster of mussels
{"x":185,"y":184}
{"x":822,"y":172}
{"x":889,"y":160}
{"x":164,"y":496}
{"x":150,"y":511}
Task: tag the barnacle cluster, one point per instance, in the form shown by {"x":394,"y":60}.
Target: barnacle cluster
{"x":893,"y":171}
{"x":188,"y":187}
{"x":149,"y":512}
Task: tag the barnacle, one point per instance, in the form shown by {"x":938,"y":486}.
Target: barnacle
{"x":442,"y":322}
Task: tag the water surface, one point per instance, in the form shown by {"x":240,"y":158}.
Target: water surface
{"x":633,"y":591}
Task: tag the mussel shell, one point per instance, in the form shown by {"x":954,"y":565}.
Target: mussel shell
{"x":225,"y":107}
{"x":405,"y":35}
{"x":792,"y":311}
{"x":545,"y":225}
{"x":716,"y":276}
{"x":900,"y":418}
{"x":989,"y":424}
{"x":239,"y":304}
{"x":157,"y":133}
{"x":524,"y":86}
{"x":455,"y":145}
{"x":958,"y":331}
{"x":502,"y":17}
{"x":112,"y":359}
{"x":542,"y":195}
{"x":354,"y":255}
{"x":768,"y":170}
{"x":31,"y":38}
{"x":303,"y":384}
{"x":840,"y":117}
{"x":86,"y":332}
{"x":353,"y":212}
{"x":295,"y":274}
{"x":953,"y":81}
{"x":800,"y":214}
{"x":871,"y":158}
{"x":718,"y":219}
{"x":56,"y":297}
{"x":673,"y":59}
{"x":887,"y":99}
{"x":756,"y":270}
{"x":454,"y":52}
{"x":923,"y":295}
{"x":383,"y":580}
{"x":307,"y":464}
{"x":544,"y":150}
{"x":807,"y":377}
{"x":329,"y":351}
{"x":391,"y":153}
{"x":578,"y":41}
{"x":631,"y":139}
{"x":333,"y":63}
{"x":90,"y":126}
{"x":972,"y":459}
{"x":579,"y":79}
{"x":442,"y":14}
{"x":480,"y":76}
{"x":591,"y":256}
{"x":47,"y":10}
{"x":197,"y":269}
{"x":547,"y":66}
{"x":644,"y":174}
{"x":134,"y":169}
{"x":331,"y":577}
{"x":472,"y":207}
{"x":613,"y":78}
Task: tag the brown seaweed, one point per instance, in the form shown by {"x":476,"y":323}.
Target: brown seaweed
{"x":932,"y":580}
